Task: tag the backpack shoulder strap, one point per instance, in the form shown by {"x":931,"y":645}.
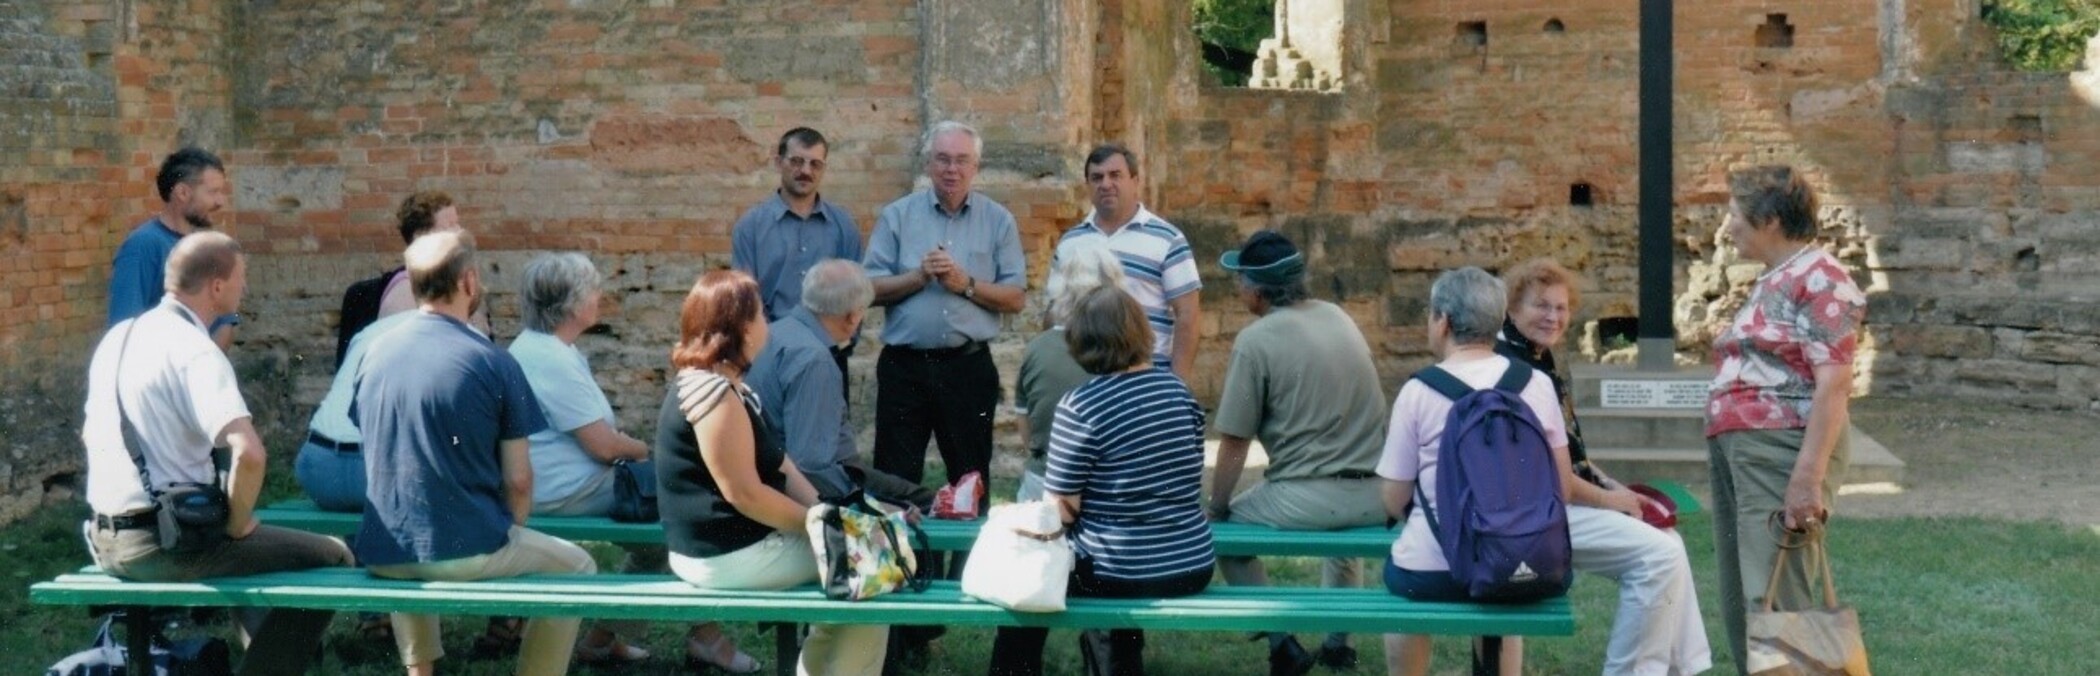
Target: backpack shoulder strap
{"x":1516,"y":378}
{"x":1443,"y":382}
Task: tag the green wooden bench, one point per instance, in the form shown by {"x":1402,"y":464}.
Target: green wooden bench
{"x":665,"y":598}
{"x":1230,"y":539}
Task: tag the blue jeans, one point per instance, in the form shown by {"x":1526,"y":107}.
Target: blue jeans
{"x":334,"y":479}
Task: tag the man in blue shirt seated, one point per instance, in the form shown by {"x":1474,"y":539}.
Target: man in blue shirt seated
{"x":799,"y":388}
{"x":446,"y":415}
{"x":192,"y":184}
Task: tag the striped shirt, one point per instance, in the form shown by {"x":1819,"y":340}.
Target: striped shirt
{"x":1130,"y":445}
{"x":1158,"y":267}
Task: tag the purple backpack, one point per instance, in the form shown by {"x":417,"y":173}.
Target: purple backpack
{"x":1505,"y":531}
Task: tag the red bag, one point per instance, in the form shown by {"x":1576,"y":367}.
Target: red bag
{"x":959,"y":500}
{"x":1657,"y":507}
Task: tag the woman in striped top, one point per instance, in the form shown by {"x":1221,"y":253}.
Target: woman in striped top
{"x":1126,"y":464}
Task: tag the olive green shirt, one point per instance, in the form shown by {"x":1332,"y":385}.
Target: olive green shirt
{"x":1302,"y":383}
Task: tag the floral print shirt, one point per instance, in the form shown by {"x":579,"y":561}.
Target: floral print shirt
{"x":1802,"y":314}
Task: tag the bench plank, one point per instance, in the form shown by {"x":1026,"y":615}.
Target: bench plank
{"x":665,"y":598}
{"x":1231,"y":539}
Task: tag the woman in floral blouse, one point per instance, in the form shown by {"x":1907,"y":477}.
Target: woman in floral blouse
{"x":1776,"y":412}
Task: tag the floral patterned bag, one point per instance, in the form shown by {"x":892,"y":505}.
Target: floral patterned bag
{"x":865,"y":548}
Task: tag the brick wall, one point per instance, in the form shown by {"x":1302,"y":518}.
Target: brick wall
{"x":91,"y":96}
{"x":637,"y":130}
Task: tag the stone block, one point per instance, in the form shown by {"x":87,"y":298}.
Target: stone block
{"x":286,"y":189}
{"x":2050,"y":347}
{"x":1916,"y":340}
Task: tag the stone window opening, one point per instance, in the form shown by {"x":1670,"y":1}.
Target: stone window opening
{"x":1470,"y":34}
{"x":1582,"y":194}
{"x":1775,"y":33}
{"x":1554,"y":27}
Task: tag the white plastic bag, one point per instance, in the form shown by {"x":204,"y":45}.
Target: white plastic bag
{"x":1021,"y":560}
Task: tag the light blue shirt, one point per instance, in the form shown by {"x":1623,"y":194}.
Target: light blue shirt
{"x":569,"y":399}
{"x":983,"y":240}
{"x":332,"y":418}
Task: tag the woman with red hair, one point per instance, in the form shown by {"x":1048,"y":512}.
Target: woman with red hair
{"x":733,"y":504}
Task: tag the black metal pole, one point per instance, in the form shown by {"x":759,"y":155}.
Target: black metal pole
{"x":1658,"y":341}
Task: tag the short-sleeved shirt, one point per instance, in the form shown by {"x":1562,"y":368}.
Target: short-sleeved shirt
{"x":778,"y":247}
{"x":982,"y":239}
{"x":1802,"y":313}
{"x":137,"y":277}
{"x":332,"y":418}
{"x":1130,"y":445}
{"x":1048,"y":371}
{"x":1158,"y":267}
{"x":797,"y":382}
{"x":1417,"y":429}
{"x":698,"y":520}
{"x":180,"y":393}
{"x":569,"y":399}
{"x":435,"y":399}
{"x":1302,"y":382}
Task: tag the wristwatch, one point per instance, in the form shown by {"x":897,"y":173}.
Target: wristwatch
{"x":970,"y":289}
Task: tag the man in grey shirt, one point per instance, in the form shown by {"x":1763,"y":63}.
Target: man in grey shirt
{"x":946,"y":262}
{"x":798,"y":389}
{"x":1302,"y":381}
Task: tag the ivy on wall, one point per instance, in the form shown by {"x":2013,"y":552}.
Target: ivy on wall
{"x":2043,"y":35}
{"x":1231,"y":32}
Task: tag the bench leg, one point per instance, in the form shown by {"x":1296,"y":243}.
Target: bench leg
{"x":785,"y":647}
{"x":138,"y":639}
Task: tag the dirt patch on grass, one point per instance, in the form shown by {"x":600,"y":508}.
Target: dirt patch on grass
{"x":1969,"y":458}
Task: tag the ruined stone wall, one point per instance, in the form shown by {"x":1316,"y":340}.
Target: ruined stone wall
{"x":636,"y":131}
{"x":1460,"y":133}
{"x":92,"y":94}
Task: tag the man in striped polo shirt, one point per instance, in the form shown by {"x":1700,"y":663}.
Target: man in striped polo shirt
{"x":1159,"y":269}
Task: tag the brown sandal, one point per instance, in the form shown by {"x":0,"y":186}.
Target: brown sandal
{"x":502,"y":637}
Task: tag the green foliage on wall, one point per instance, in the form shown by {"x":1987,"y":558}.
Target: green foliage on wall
{"x":2043,"y":35}
{"x":1230,"y":32}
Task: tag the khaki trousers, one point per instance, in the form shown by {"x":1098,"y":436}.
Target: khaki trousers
{"x":1306,"y":504}
{"x":548,"y":642}
{"x":1750,"y":470}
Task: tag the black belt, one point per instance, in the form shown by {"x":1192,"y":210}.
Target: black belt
{"x":963,"y":350}
{"x":145,"y":519}
{"x":322,"y":440}
{"x":1355,"y":474}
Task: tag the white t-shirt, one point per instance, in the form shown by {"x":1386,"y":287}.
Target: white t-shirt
{"x":1417,"y":429}
{"x":180,"y":393}
{"x":570,"y":399}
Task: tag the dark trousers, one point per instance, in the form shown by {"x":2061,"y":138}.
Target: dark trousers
{"x":944,"y":395}
{"x":280,"y":640}
{"x":1018,"y":651}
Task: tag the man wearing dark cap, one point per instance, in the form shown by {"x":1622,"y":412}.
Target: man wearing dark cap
{"x":1302,"y":382}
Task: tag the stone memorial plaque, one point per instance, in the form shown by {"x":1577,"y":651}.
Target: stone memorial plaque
{"x":1652,"y":393}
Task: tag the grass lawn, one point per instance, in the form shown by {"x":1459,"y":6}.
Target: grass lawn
{"x":1937,"y":596}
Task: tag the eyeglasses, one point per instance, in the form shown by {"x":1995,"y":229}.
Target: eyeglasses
{"x":945,"y":161}
{"x":799,"y":163}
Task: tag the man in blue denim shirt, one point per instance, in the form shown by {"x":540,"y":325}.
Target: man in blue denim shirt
{"x":799,"y":390}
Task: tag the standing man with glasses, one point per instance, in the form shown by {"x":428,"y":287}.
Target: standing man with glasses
{"x":946,"y":262}
{"x":781,"y":238}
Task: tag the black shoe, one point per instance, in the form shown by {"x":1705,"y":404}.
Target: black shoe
{"x":1338,"y":657}
{"x":1288,"y":658}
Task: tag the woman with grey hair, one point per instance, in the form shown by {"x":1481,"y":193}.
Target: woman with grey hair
{"x":1466,"y":309}
{"x":1047,"y":368}
{"x":572,"y":460}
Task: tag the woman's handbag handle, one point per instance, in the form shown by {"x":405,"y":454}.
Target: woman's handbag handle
{"x":1817,"y":560}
